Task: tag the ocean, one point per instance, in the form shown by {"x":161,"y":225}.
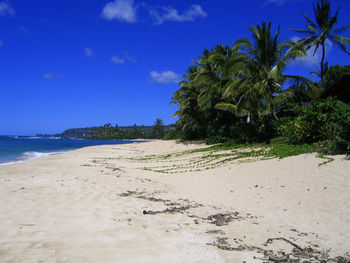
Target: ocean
{"x":22,"y":148}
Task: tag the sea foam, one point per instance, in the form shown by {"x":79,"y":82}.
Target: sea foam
{"x":28,"y":156}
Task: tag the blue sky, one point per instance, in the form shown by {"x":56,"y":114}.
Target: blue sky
{"x":66,"y":64}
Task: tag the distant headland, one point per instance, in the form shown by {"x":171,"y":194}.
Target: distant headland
{"x":109,"y":132}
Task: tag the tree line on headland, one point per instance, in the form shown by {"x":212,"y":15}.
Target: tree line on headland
{"x":109,"y":132}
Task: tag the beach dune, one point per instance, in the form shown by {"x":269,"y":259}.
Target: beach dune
{"x":145,"y":202}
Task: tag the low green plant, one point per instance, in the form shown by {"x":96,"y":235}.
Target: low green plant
{"x":324,"y":122}
{"x":340,"y":118}
{"x":226,"y":153}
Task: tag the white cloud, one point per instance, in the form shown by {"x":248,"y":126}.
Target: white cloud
{"x":311,"y":60}
{"x":88,"y":52}
{"x":164,"y":77}
{"x":172,"y":14}
{"x":123,"y":10}
{"x":51,"y":75}
{"x":5,"y":9}
{"x":117,"y":60}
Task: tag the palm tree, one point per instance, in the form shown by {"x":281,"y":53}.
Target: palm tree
{"x":260,"y":79}
{"x":202,"y":89}
{"x":322,"y":29}
{"x":189,"y":112}
{"x":217,"y":69}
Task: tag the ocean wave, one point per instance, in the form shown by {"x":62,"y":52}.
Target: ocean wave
{"x":7,"y":163}
{"x":26,"y":156}
{"x":44,"y":137}
{"x":35,"y":155}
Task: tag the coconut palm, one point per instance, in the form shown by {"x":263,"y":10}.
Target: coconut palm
{"x":321,"y":29}
{"x":260,"y":79}
{"x":189,"y":113}
{"x":202,"y":89}
{"x":217,"y":68}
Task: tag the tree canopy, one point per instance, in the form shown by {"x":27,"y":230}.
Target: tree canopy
{"x":241,"y":92}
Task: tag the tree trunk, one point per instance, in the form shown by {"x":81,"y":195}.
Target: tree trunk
{"x":273,"y":110}
{"x":322,"y":60}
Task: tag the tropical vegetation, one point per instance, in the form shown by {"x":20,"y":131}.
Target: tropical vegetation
{"x":241,"y":93}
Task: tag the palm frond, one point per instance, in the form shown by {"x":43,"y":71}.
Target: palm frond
{"x":334,"y":19}
{"x":341,"y":29}
{"x":226,"y":107}
{"x":341,"y":42}
{"x":239,"y":111}
{"x":305,"y":31}
{"x":312,"y":29}
{"x":233,"y":87}
{"x":245,"y":45}
{"x":309,"y":20}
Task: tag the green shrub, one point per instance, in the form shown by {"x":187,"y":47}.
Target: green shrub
{"x":173,"y":134}
{"x":326,"y":122}
{"x":256,"y":131}
{"x":216,"y":135}
{"x":340,"y":143}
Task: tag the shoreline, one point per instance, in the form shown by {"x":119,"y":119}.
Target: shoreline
{"x":35,"y":155}
{"x":31,"y":155}
{"x":113,"y":203}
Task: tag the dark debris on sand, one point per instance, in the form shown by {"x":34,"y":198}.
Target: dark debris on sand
{"x":223,"y":219}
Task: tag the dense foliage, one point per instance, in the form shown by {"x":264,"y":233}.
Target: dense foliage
{"x":326,"y":121}
{"x":240,"y":93}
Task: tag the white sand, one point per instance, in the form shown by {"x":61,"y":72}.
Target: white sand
{"x":75,"y":206}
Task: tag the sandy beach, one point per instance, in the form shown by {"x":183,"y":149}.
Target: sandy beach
{"x":160,"y":202}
